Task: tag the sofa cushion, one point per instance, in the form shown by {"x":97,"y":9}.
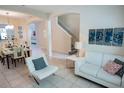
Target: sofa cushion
{"x":94,"y":58}
{"x":89,"y":69}
{"x":108,"y":77}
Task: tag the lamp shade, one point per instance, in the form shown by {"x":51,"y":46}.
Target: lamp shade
{"x":9,"y":27}
{"x":78,"y":45}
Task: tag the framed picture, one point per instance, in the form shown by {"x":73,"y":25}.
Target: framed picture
{"x":92,"y":36}
{"x":118,"y":37}
{"x":99,"y":36}
{"x":108,"y":36}
{"x":20,"y":31}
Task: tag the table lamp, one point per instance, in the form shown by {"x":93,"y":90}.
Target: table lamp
{"x":78,"y":46}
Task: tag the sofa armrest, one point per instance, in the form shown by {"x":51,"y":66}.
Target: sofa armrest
{"x":122,"y":82}
{"x":78,"y":63}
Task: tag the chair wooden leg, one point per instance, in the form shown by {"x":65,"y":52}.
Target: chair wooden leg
{"x":54,"y":74}
{"x":21,"y":59}
{"x":12,"y":61}
{"x":3,"y":61}
{"x":15,"y":62}
{"x":24,"y":60}
{"x":0,"y":59}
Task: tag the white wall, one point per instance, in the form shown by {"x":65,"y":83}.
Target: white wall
{"x":72,"y":21}
{"x":41,"y":28}
{"x":101,"y":17}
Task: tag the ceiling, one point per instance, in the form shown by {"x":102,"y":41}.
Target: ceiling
{"x":43,"y":10}
{"x":51,"y":9}
{"x":14,"y":14}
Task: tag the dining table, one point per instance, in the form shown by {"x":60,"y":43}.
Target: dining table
{"x":9,"y":51}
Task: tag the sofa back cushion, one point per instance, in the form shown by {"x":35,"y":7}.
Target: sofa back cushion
{"x":94,"y":58}
{"x":108,"y":57}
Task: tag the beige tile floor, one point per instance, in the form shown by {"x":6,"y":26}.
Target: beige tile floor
{"x":64,"y":78}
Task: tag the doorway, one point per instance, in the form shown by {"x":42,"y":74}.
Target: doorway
{"x":33,"y":34}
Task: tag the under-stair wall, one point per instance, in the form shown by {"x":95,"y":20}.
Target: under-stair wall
{"x":71,"y":25}
{"x":61,"y":40}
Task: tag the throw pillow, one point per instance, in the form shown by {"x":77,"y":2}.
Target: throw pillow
{"x":118,"y":61}
{"x":39,"y":63}
{"x":121,"y":71}
{"x":112,"y":67}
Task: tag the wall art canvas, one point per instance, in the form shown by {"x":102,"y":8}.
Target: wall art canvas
{"x":108,"y":36}
{"x":99,"y":36}
{"x":92,"y":36}
{"x":118,"y":37}
{"x":20,"y":31}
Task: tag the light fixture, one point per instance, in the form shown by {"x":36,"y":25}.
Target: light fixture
{"x":8,"y":25}
{"x":78,"y":46}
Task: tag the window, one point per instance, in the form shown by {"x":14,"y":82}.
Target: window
{"x":3,"y":34}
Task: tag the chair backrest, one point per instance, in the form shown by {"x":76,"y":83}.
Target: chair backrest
{"x":30,"y":64}
{"x":18,"y":52}
{"x":1,"y":53}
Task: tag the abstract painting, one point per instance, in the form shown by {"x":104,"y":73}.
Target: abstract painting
{"x":118,"y":37}
{"x":92,"y":36}
{"x":99,"y":36}
{"x":20,"y":31}
{"x":108,"y":36}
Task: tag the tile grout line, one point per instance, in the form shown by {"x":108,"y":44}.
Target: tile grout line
{"x":7,"y":80}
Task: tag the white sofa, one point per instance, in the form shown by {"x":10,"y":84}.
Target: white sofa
{"x":91,"y":67}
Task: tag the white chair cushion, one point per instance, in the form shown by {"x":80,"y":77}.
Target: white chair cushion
{"x":94,"y":58}
{"x":108,"y":57}
{"x":43,"y":73}
{"x":89,"y":69}
{"x":30,"y":64}
{"x":108,"y":77}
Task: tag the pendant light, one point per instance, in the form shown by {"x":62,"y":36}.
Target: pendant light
{"x":8,"y":25}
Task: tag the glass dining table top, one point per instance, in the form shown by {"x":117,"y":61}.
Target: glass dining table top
{"x":8,"y":51}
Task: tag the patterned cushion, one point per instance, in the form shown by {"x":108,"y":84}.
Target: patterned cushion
{"x":112,"y":67}
{"x":39,"y":63}
{"x":121,"y":71}
{"x":118,"y":61}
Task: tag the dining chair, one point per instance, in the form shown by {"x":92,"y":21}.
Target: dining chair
{"x":2,"y":57}
{"x":18,"y":54}
{"x":25,"y":52}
